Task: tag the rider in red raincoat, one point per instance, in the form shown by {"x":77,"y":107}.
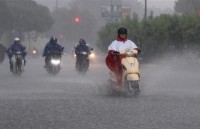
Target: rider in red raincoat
{"x":114,"y":62}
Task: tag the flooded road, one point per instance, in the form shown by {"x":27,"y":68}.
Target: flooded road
{"x":36,"y":100}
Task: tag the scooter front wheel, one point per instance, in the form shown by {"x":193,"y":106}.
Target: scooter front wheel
{"x":132,"y":89}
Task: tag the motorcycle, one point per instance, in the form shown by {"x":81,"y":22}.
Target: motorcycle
{"x":54,"y":64}
{"x":83,"y":63}
{"x":130,"y":75}
{"x":17,"y":63}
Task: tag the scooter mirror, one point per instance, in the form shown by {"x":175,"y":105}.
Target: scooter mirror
{"x":139,"y":51}
{"x":139,"y":45}
{"x":91,"y":49}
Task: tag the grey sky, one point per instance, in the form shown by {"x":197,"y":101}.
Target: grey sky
{"x":52,"y":3}
{"x":163,"y":4}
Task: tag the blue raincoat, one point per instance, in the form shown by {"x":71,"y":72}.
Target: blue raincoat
{"x":16,"y":47}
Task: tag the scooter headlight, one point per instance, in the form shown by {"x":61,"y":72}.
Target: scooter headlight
{"x":18,"y":52}
{"x":129,"y":52}
{"x":92,"y":55}
{"x":34,"y":52}
{"x":55,"y":62}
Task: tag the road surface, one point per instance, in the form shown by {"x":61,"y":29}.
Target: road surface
{"x":170,"y":98}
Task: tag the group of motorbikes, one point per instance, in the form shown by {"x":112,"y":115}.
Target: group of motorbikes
{"x":130,"y":76}
{"x":54,"y":62}
{"x":130,"y":68}
{"x":53,"y":66}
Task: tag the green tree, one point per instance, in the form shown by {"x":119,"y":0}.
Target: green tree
{"x":187,"y":7}
{"x":21,"y":16}
{"x":29,"y":16}
{"x":6,"y":18}
{"x":157,"y":35}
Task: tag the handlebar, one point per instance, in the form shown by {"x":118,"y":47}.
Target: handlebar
{"x":127,"y":52}
{"x":116,"y":53}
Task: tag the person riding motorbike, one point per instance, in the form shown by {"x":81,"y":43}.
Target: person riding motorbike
{"x":52,"y":45}
{"x":113,"y":62}
{"x":80,"y":48}
{"x":16,"y":46}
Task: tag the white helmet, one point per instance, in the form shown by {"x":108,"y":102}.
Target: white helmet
{"x":17,"y":39}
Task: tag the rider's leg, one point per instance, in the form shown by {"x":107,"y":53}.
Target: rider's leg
{"x":77,"y":61}
{"x":118,"y":71}
{"x":46,"y":61}
{"x":11,"y":66}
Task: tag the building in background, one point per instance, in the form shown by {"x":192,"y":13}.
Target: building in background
{"x":118,"y":9}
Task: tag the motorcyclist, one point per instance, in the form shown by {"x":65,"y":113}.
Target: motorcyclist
{"x":81,"y":47}
{"x":52,"y":45}
{"x":113,"y":62}
{"x":16,"y":46}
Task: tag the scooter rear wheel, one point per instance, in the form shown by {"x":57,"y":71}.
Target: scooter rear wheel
{"x":111,"y":88}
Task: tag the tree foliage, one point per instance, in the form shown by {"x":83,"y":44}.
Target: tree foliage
{"x":187,"y":6}
{"x":5,"y":17}
{"x":157,"y":35}
{"x":29,"y":16}
{"x":21,"y":16}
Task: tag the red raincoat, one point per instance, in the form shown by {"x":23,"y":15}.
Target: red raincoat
{"x":114,"y":63}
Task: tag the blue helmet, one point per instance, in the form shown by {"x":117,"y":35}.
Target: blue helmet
{"x":82,"y":42}
{"x":52,"y":39}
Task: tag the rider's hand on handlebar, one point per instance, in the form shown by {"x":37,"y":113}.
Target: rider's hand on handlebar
{"x":116,"y":53}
